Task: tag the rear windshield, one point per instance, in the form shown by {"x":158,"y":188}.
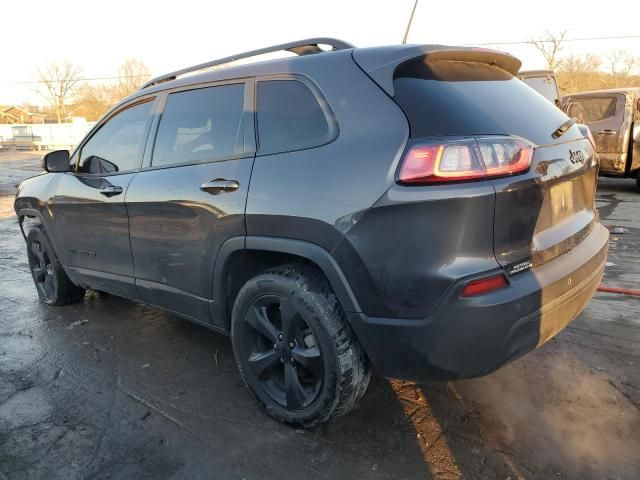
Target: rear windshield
{"x":592,"y":109}
{"x":463,"y":98}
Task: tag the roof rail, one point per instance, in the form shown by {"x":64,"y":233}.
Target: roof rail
{"x":300,"y":47}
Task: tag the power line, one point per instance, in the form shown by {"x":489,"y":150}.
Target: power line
{"x":583,"y":39}
{"x":88,"y":79}
{"x":484,"y":44}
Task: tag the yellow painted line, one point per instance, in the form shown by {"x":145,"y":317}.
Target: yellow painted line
{"x":429,"y":434}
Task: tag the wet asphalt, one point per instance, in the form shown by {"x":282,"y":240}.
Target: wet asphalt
{"x":108,"y":388}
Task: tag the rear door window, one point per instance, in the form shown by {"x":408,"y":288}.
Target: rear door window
{"x":290,"y":117}
{"x":200,"y":125}
{"x":593,"y":109}
{"x":465,"y":98}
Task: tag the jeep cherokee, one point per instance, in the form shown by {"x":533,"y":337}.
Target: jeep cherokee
{"x":415,"y":209}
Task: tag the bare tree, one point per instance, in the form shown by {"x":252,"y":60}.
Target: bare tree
{"x":579,"y":72}
{"x":550,"y":46}
{"x":133,"y":73}
{"x":621,"y":65}
{"x":92,"y":101}
{"x":58,"y":84}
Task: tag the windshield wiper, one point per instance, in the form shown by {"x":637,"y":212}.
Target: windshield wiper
{"x":562,"y":129}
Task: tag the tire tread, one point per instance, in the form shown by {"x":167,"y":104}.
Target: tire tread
{"x":353,"y":369}
{"x":68,"y":292}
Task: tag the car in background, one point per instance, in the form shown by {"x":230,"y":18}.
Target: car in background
{"x":542,"y":81}
{"x":613,"y":116}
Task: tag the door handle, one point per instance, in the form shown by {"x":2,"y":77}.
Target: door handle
{"x":111,"y":190}
{"x":606,"y":132}
{"x":219,"y":185}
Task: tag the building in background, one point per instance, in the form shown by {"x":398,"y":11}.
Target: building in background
{"x":15,"y":114}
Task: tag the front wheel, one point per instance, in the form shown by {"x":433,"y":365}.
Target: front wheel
{"x":294,"y":347}
{"x":51,"y":281}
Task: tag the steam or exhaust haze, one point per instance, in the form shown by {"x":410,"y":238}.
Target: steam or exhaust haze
{"x":99,"y":36}
{"x":569,"y":420}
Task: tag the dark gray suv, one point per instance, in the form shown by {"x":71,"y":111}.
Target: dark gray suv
{"x":414,"y":208}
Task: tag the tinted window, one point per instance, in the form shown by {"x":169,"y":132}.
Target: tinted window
{"x":118,"y":145}
{"x":199,"y":125}
{"x":460,"y":98}
{"x":289,"y":117}
{"x":592,"y":109}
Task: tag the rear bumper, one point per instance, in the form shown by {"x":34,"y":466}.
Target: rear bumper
{"x":471,"y":337}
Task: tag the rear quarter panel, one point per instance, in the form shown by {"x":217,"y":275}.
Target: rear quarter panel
{"x":415,"y":243}
{"x":318,"y":194}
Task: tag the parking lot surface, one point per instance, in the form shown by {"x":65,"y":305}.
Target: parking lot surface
{"x":108,"y":388}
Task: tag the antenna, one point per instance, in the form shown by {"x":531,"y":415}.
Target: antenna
{"x":406,"y":33}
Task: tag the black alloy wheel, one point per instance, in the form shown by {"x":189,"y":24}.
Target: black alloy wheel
{"x":44,"y":276}
{"x":282,"y":353}
{"x":294,"y":347}
{"x":52,"y":283}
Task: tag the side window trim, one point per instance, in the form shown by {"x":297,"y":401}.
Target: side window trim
{"x":247,"y":123}
{"x":332,"y":121}
{"x":99,"y":125}
{"x":156,"y":114}
{"x":249,"y":117}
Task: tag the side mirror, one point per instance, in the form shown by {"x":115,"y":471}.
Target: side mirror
{"x":56,"y":161}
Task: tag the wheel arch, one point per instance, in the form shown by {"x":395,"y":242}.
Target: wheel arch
{"x":265,"y":252}
{"x":31,"y":213}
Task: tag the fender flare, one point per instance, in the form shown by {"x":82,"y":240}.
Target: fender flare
{"x":38,"y":215}
{"x":29,"y":212}
{"x":307,"y":250}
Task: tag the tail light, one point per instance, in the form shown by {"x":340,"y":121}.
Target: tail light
{"x":484,"y":285}
{"x":462,"y":160}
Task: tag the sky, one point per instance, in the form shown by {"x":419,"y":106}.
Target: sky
{"x":167,"y":35}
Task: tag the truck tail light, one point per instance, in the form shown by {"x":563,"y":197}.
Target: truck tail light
{"x":463,"y":160}
{"x":484,"y":285}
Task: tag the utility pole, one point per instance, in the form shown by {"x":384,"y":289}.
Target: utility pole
{"x":406,"y":33}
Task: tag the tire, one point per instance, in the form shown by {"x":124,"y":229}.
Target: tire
{"x":638,"y":181}
{"x":295,"y":349}
{"x":51,"y":281}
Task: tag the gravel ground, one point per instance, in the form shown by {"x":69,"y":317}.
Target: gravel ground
{"x":111,"y":389}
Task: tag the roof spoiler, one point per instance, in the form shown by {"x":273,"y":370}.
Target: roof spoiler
{"x":381,"y":63}
{"x":299,"y":47}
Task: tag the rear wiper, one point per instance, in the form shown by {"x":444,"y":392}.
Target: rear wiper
{"x":562,"y":129}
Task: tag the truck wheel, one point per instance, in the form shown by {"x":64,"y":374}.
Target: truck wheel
{"x":50,"y":279}
{"x":294,"y":347}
